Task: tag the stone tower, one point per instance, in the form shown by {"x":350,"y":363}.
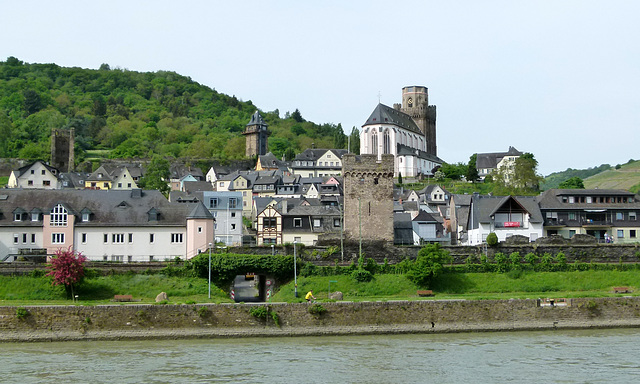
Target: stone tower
{"x":368,"y":197}
{"x":256,"y":135}
{"x":62,"y":153}
{"x":415,"y":103}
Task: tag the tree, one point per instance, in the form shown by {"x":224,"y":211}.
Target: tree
{"x":525,"y":175}
{"x":297,"y":116}
{"x":67,"y":268}
{"x":157,"y":175}
{"x":354,"y":141}
{"x":453,"y":171}
{"x":572,"y":183}
{"x":472,"y":170}
{"x":428,"y":265}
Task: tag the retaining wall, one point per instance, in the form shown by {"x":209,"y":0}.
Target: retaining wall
{"x":112,"y":322}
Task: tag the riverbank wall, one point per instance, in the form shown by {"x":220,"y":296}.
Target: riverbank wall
{"x":132,"y":321}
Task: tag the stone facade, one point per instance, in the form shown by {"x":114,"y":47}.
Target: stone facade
{"x":62,"y":149}
{"x":415,"y":103}
{"x":368,"y":197}
{"x":256,"y":135}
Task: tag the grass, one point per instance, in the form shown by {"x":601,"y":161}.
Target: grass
{"x":4,"y":180}
{"x":25,"y":290}
{"x":626,"y":177}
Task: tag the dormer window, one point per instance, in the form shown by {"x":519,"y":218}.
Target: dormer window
{"x":85,"y":216}
{"x":153,"y":214}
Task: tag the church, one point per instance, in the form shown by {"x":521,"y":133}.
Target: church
{"x":407,"y":131}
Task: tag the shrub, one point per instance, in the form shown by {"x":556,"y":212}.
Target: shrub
{"x":259,"y":312}
{"x":561,"y":262}
{"x":531,"y":258}
{"x":317,"y":309}
{"x":545,"y":263}
{"x":428,"y":265}
{"x":492,"y":239}
{"x":203,"y":311}
{"x":22,"y":313}
{"x":501,"y":260}
{"x":362,"y":275}
{"x":515,"y":260}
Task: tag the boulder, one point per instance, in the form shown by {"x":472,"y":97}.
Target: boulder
{"x":162,"y":296}
{"x":336,"y":296}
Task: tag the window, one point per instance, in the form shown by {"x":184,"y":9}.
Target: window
{"x":213,"y":202}
{"x":130,"y":238}
{"x":297,"y":222}
{"x":268,"y":222}
{"x":588,"y":199}
{"x":152,"y":238}
{"x":297,"y":239}
{"x":106,"y":185}
{"x":317,"y":222}
{"x":233,"y":226}
{"x":336,"y":222}
{"x":620,"y":233}
{"x":222,"y":183}
{"x":119,"y":185}
{"x":85,"y":217}
{"x":35,"y":216}
{"x":84,"y":238}
{"x":42,"y":172}
{"x":571,"y":199}
{"x":233,"y":214}
{"x":117,"y":238}
{"x":105,"y":238}
{"x":33,"y":172}
{"x":29,"y":182}
{"x":572,"y":232}
{"x":632,"y":216}
{"x":128,"y":185}
{"x":58,"y":217}
{"x":33,"y":238}
{"x":632,"y":233}
{"x":572,"y":215}
{"x":16,"y":238}
{"x":619,"y":216}
{"x":24,"y":238}
{"x":57,"y":238}
{"x":199,"y":229}
{"x":233,"y":202}
{"x":176,"y":238}
{"x":17,"y":217}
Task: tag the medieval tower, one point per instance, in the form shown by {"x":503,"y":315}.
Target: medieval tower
{"x":368,"y":197}
{"x":62,"y":153}
{"x":415,"y":103}
{"x":256,"y":135}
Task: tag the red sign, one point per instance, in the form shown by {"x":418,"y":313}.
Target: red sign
{"x":511,"y":224}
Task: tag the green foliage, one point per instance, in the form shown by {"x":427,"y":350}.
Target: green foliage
{"x":203,"y":311}
{"x":157,"y":175}
{"x":259,"y":312}
{"x":428,"y":265}
{"x":502,"y":262}
{"x":454,"y":171}
{"x":226,"y":266}
{"x":136,"y":114}
{"x":516,"y":260}
{"x":554,"y":179}
{"x":572,"y":183}
{"x":472,"y":172}
{"x":492,"y":239}
{"x":317,"y":309}
{"x":362,"y":275}
{"x":22,"y":313}
{"x":531,"y":258}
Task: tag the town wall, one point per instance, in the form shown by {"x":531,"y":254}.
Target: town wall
{"x":114,"y":322}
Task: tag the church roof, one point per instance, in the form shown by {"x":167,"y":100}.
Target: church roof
{"x":387,"y":115}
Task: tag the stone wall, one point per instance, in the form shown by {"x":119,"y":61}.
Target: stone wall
{"x":227,"y":320}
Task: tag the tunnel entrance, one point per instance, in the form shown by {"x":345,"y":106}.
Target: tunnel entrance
{"x":251,"y":287}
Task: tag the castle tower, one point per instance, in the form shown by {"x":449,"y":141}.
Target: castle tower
{"x":368,"y":197}
{"x":256,"y":135}
{"x":415,"y":103}
{"x":62,"y":149}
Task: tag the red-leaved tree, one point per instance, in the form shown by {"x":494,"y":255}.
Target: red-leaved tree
{"x":67,"y":268}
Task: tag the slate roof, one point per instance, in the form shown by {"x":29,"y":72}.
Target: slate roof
{"x":313,"y":154}
{"x":73,"y":179}
{"x":383,"y":114}
{"x":404,"y":150}
{"x":178,"y":171}
{"x":24,"y":169}
{"x":484,"y":207}
{"x":491,"y":160}
{"x":426,"y":217}
{"x":108,"y":207}
{"x":256,"y":119}
{"x":402,"y":228}
{"x":552,"y":199}
{"x":270,"y":161}
{"x":195,"y":186}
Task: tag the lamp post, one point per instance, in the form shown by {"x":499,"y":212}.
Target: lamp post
{"x":295,"y":271}
{"x":210,"y":270}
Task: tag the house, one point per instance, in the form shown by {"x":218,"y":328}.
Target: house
{"x":178,"y":172}
{"x":114,"y":176}
{"x":602,"y":213}
{"x":35,"y":175}
{"x":113,"y":225}
{"x":489,"y":162}
{"x":307,"y":221}
{"x":99,"y":179}
{"x":459,"y":208}
{"x":504,"y":215}
{"x":270,"y":162}
{"x":318,"y":162}
{"x":269,"y":225}
{"x":226,"y":209}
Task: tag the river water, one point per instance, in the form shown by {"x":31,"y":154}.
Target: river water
{"x":591,"y":356}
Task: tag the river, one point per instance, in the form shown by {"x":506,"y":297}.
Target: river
{"x":584,"y":356}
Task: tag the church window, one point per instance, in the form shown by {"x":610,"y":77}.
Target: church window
{"x":374,"y":143}
{"x":387,"y":143}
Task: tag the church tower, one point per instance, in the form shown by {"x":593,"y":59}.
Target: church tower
{"x":256,"y":135}
{"x":415,"y":103}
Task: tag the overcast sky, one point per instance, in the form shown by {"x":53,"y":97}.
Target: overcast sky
{"x":559,"y":79}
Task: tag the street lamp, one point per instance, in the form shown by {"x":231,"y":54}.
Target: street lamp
{"x":295,"y":272}
{"x":210,"y":270}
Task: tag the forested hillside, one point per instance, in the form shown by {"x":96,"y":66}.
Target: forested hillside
{"x":136,"y":114}
{"x":554,"y":179}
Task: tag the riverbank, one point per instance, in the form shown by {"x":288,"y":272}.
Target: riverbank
{"x":134,"y":321}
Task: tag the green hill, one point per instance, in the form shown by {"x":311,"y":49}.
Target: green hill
{"x":128,"y":114}
{"x":625,"y":176}
{"x":554,"y":179}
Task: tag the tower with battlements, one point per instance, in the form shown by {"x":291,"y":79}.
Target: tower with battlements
{"x":415,"y":103}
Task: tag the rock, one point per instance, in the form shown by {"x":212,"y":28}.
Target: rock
{"x":162,"y":296}
{"x":583,"y":239}
{"x":517,"y":239}
{"x":336,"y":295}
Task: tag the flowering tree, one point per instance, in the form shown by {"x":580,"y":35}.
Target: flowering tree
{"x":67,"y":268}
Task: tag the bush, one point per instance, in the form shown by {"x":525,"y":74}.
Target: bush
{"x":428,"y":265}
{"x":492,"y":239}
{"x":362,"y":275}
{"x":531,"y":258}
{"x":317,"y":309}
{"x":259,"y":312}
{"x":22,"y":313}
{"x":502,"y":263}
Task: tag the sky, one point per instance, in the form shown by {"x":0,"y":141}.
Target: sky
{"x":559,"y":79}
